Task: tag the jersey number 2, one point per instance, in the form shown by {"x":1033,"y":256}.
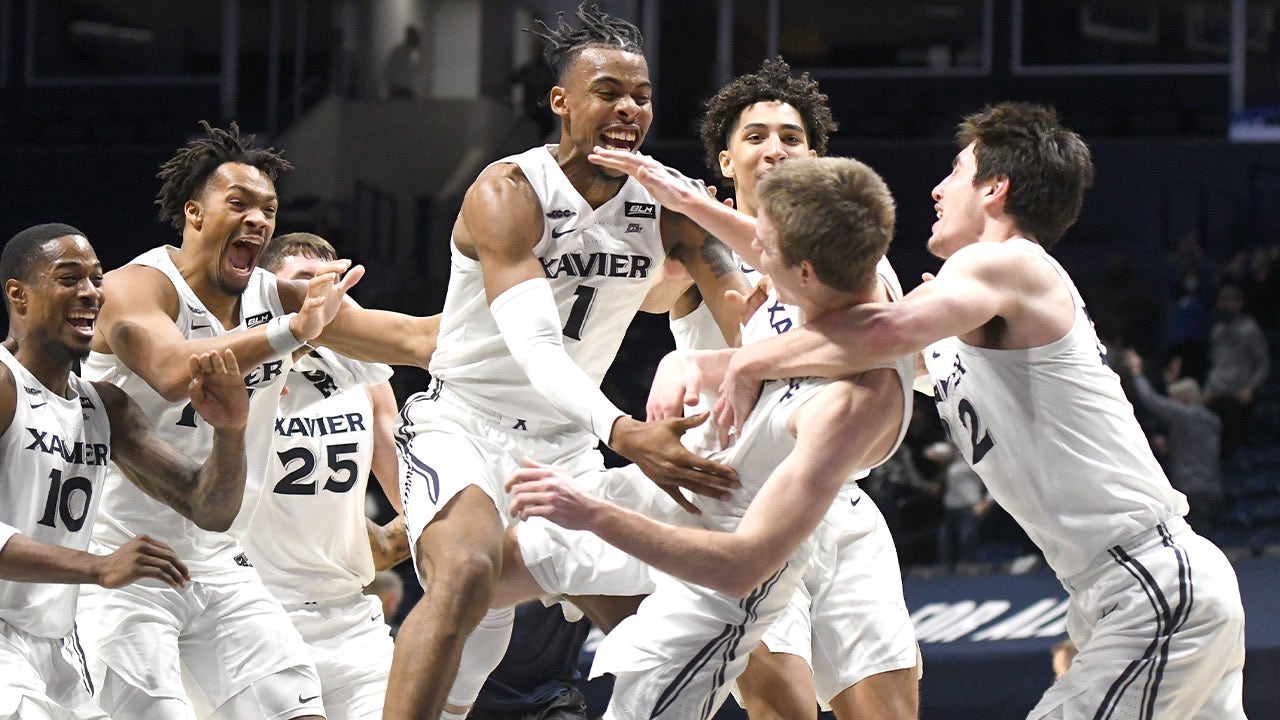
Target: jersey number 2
{"x":298,"y":481}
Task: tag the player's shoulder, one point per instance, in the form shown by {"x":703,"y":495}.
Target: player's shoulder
{"x":138,"y":282}
{"x":1011,"y":261}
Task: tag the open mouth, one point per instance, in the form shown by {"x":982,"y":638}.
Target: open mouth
{"x":243,"y":253}
{"x":83,"y":321}
{"x":621,"y":138}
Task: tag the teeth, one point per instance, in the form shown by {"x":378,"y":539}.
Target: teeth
{"x":623,"y":135}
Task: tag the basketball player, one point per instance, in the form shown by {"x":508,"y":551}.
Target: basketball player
{"x":56,"y":434}
{"x":823,"y":230}
{"x":552,"y":256}
{"x":327,"y":442}
{"x":1023,"y":384}
{"x":168,"y":303}
{"x":847,"y":629}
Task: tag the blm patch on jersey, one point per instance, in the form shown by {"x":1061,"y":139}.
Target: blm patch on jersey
{"x":640,"y":210}
{"x":258,"y":319}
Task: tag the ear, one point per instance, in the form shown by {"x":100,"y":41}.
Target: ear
{"x":807,"y":273}
{"x":558,"y":99}
{"x":813,"y":153}
{"x":194,"y":213}
{"x":726,"y":164}
{"x":996,"y":190}
{"x":16,"y":295}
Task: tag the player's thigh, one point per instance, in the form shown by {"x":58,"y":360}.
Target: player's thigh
{"x":860,"y":623}
{"x":130,"y":636}
{"x":891,"y":695}
{"x":290,"y":693}
{"x":244,"y":638}
{"x":777,"y":686}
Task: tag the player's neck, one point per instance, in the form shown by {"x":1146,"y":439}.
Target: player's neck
{"x":223,"y":306}
{"x":52,"y":371}
{"x":829,"y":300}
{"x":590,"y":180}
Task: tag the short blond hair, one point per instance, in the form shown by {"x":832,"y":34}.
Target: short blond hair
{"x":299,"y":243}
{"x":836,"y":213}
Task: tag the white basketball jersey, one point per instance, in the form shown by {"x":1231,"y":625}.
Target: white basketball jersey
{"x":599,"y":263}
{"x":127,"y":511}
{"x":308,"y":539}
{"x":1051,"y":434}
{"x":55,"y":456}
{"x":766,"y":435}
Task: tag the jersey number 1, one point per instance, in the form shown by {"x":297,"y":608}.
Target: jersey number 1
{"x":583,"y":297}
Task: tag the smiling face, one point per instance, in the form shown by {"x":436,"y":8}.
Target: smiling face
{"x":58,"y":306}
{"x":232,"y":219}
{"x":766,"y":134}
{"x":605,"y":99}
{"x":959,"y":206}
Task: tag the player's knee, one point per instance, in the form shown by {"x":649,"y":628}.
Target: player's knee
{"x":463,"y":573}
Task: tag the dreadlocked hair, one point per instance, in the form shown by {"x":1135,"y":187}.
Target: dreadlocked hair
{"x":564,"y":43}
{"x":186,"y":173}
{"x":771,"y":83}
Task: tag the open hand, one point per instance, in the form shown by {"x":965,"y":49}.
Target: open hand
{"x":655,"y":447}
{"x":325,"y":294}
{"x":217,"y":389}
{"x":547,"y":491}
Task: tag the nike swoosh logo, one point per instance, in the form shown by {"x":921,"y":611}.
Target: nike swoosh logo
{"x":306,"y":699}
{"x":199,"y":327}
{"x":375,"y":618}
{"x":560,"y":233}
{"x":855,"y":501}
{"x":936,"y":354}
{"x":36,"y":405}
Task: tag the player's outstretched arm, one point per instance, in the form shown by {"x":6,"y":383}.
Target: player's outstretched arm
{"x":209,"y":494}
{"x":136,"y":323}
{"x":23,"y":559}
{"x":849,"y":425}
{"x":966,"y":294}
{"x":677,"y":193}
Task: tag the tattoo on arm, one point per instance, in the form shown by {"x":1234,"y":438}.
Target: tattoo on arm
{"x":717,"y":256}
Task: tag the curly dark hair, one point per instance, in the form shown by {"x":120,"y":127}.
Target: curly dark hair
{"x":564,"y":43}
{"x":186,"y":173}
{"x":772,"y":82}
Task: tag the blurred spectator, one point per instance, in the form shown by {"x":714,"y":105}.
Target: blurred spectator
{"x":1192,"y":293}
{"x":538,"y":677}
{"x":965,"y":503}
{"x":1238,"y":366}
{"x":1124,"y":310}
{"x":1261,"y":293}
{"x":1191,"y":443}
{"x":405,"y":66}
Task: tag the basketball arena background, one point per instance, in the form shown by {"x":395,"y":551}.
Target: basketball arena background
{"x":1179,"y":100}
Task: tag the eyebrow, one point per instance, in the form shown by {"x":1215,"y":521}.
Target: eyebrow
{"x":763,"y":126}
{"x":71,"y":264}
{"x":611,"y":80}
{"x":244,"y":189}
